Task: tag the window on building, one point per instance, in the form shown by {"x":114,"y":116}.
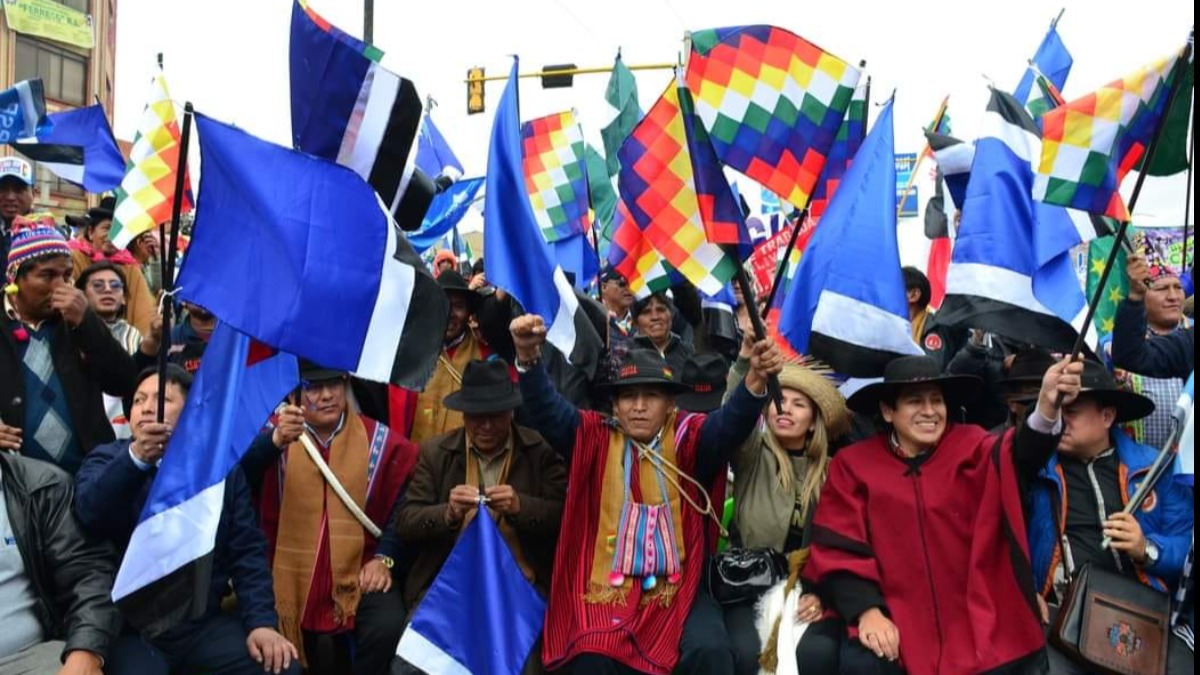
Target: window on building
{"x":63,"y":73}
{"x":58,"y":186}
{"x":78,"y":5}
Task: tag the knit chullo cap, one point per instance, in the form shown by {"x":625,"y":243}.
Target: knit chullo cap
{"x":32,"y":240}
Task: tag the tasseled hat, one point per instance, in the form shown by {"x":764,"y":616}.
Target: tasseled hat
{"x":32,"y":240}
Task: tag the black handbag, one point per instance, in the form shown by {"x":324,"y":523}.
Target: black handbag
{"x":742,"y":576}
{"x":1113,"y":624}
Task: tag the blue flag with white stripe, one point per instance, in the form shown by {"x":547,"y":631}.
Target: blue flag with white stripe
{"x":517,"y":257}
{"x":446,"y":211}
{"x":1002,"y":278}
{"x":79,"y":147}
{"x":1053,"y":61}
{"x":481,"y":616}
{"x":847,"y":304}
{"x":22,"y":111}
{"x":238,"y":385}
{"x":434,"y":155}
{"x":1185,"y":413}
{"x":314,"y":241}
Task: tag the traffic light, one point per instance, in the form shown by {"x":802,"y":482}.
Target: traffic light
{"x":475,"y":100}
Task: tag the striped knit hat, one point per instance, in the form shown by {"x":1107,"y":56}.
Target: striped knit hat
{"x":32,"y":240}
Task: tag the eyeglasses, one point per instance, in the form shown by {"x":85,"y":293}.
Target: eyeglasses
{"x":99,"y":285}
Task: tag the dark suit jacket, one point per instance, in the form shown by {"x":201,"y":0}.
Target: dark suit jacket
{"x":537,"y":474}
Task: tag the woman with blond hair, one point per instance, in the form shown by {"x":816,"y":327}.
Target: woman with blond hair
{"x":778,"y":476}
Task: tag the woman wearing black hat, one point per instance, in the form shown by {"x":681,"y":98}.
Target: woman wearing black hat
{"x":918,"y":541}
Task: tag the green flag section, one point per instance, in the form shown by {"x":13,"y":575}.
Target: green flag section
{"x":1171,"y":156}
{"x":1117,"y":288}
{"x":622,"y":95}
{"x":600,"y":190}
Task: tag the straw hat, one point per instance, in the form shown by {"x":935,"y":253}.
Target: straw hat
{"x":822,"y":393}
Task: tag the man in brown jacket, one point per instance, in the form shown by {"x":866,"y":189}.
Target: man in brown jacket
{"x":490,"y":461}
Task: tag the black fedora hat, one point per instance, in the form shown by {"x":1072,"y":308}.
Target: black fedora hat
{"x":453,"y":282}
{"x":1100,"y":386}
{"x":909,"y":371}
{"x":487,"y":389}
{"x":313,"y":372}
{"x":646,"y":368}
{"x":103,"y":211}
{"x":1028,"y":368}
{"x":705,"y":376}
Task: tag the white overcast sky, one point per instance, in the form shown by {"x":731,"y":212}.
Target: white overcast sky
{"x":230,"y":57}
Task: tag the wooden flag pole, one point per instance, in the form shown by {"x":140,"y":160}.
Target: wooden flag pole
{"x":1098,"y":296}
{"x":168,"y":257}
{"x":912,"y":177}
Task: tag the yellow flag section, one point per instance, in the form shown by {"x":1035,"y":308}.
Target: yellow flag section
{"x":146,"y":194}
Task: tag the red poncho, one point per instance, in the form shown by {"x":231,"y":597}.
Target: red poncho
{"x":643,"y":638}
{"x":944,"y":542}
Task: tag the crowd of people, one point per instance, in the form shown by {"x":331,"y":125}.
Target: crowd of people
{"x":927,"y":523}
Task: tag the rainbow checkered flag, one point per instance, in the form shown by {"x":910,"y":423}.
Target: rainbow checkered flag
{"x":1091,"y":144}
{"x":772,"y":103}
{"x":677,"y":194}
{"x":552,"y":154}
{"x":147,"y":192}
{"x":632,"y":254}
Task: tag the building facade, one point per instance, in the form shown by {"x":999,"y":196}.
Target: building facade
{"x":73,"y":75}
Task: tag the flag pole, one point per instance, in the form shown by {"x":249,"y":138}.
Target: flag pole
{"x":774,"y":391}
{"x":912,"y":177}
{"x":168,"y":257}
{"x":1187,"y":205}
{"x":781,"y":270}
{"x":1098,"y":296}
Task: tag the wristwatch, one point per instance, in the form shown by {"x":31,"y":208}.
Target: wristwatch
{"x":387,"y":561}
{"x":1153,"y":554}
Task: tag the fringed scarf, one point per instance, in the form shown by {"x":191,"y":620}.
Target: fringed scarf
{"x":306,"y":498}
{"x":475,"y":477}
{"x":657,"y":485}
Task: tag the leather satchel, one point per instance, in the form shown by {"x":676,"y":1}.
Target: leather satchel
{"x":1113,"y":624}
{"x":742,"y":576}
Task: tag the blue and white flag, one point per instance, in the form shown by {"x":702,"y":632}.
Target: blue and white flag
{"x":434,"y":155}
{"x":448,"y":209}
{"x":517,"y":257}
{"x":1052,"y":60}
{"x":1002,"y":278}
{"x":79,"y":147}
{"x":847,"y":304}
{"x":481,"y":616}
{"x":1185,"y":414}
{"x":954,"y":160}
{"x":578,"y":260}
{"x":22,"y":111}
{"x":349,"y":109}
{"x":301,"y":254}
{"x":238,"y":385}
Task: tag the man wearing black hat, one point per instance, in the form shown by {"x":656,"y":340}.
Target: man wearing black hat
{"x":332,"y":568}
{"x":625,"y":595}
{"x":522,"y":480}
{"x":916,"y":538}
{"x":1022,"y":382}
{"x":422,"y":414}
{"x":1095,"y":473}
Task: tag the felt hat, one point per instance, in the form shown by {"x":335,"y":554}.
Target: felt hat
{"x":908,"y":371}
{"x":487,"y":389}
{"x":705,"y":375}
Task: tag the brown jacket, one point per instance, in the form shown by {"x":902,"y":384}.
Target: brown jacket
{"x":537,"y":474}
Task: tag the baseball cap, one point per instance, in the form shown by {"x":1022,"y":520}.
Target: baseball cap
{"x":17,"y":168}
